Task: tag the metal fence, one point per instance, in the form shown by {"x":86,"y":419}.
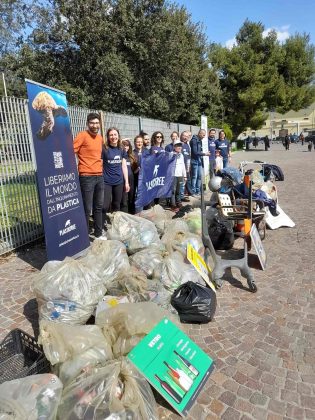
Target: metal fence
{"x":20,"y":215}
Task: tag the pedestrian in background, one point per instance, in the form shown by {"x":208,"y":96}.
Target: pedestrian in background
{"x":267,"y":143}
{"x":287,"y":142}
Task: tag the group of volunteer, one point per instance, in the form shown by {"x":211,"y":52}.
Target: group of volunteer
{"x":109,"y":170}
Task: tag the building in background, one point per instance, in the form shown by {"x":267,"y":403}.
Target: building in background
{"x":293,"y":121}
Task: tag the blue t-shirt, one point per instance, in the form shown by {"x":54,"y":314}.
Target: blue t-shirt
{"x":211,"y":147}
{"x":169,"y":148}
{"x":186,"y":152}
{"x":140,"y":155}
{"x":112,"y":165}
{"x":156,"y":149}
{"x":224,"y":147}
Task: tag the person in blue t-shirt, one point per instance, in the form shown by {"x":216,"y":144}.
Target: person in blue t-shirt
{"x":115,"y":172}
{"x":174,"y":137}
{"x":224,"y":146}
{"x":157,"y":141}
{"x":212,"y":148}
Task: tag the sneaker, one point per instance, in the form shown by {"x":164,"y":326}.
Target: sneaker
{"x":103,"y":236}
{"x":174,"y":209}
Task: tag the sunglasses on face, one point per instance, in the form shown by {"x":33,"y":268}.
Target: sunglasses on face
{"x":158,"y":137}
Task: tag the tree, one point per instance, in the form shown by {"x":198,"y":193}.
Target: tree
{"x":259,"y":74}
{"x":142,"y":57}
{"x":16,"y":16}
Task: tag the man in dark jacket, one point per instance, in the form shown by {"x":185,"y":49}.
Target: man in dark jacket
{"x":196,"y":161}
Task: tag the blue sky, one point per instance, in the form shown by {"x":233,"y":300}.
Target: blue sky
{"x":223,"y":18}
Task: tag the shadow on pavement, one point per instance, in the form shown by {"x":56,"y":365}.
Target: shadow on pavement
{"x":228,"y":276}
{"x":30,"y":311}
{"x":34,"y":255}
{"x":162,"y":402}
{"x":255,"y":150}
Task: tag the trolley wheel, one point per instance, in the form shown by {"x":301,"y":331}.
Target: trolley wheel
{"x":218,"y":283}
{"x":252,"y":287}
{"x":261,"y":227}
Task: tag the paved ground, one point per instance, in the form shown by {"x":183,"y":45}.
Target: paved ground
{"x":263,"y":344}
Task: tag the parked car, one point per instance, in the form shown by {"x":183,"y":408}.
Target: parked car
{"x":294,"y":138}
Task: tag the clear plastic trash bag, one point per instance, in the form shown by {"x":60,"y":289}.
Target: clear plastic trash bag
{"x":175,"y":271}
{"x":132,"y":284}
{"x":158,"y":216}
{"x":193,"y":220}
{"x":148,"y":260}
{"x":177,"y":237}
{"x":116,"y":391}
{"x":107,"y":259}
{"x":135,"y":232}
{"x":68,"y":293}
{"x":93,"y":357}
{"x":31,"y":398}
{"x":126,"y":324}
{"x":62,"y":342}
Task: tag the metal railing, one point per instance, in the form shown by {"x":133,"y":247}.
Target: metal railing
{"x":20,"y":215}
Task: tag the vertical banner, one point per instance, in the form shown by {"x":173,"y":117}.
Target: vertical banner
{"x":57,"y":176}
{"x":156,"y":177}
{"x":173,"y":364}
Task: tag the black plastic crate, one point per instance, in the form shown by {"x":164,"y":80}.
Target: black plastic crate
{"x":20,"y":356}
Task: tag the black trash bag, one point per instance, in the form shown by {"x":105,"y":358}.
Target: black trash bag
{"x":182,"y":211}
{"x":221,"y":233}
{"x":195,"y":303}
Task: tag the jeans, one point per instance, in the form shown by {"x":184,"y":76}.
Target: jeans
{"x":175,"y":199}
{"x":92,"y":189}
{"x":127,"y":204}
{"x":112,"y":199}
{"x":225,"y":162}
{"x":211,"y":167}
{"x":196,"y":169}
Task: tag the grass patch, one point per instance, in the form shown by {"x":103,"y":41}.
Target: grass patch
{"x":19,"y":205}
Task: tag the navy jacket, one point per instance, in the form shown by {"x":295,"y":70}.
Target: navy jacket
{"x":196,"y":149}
